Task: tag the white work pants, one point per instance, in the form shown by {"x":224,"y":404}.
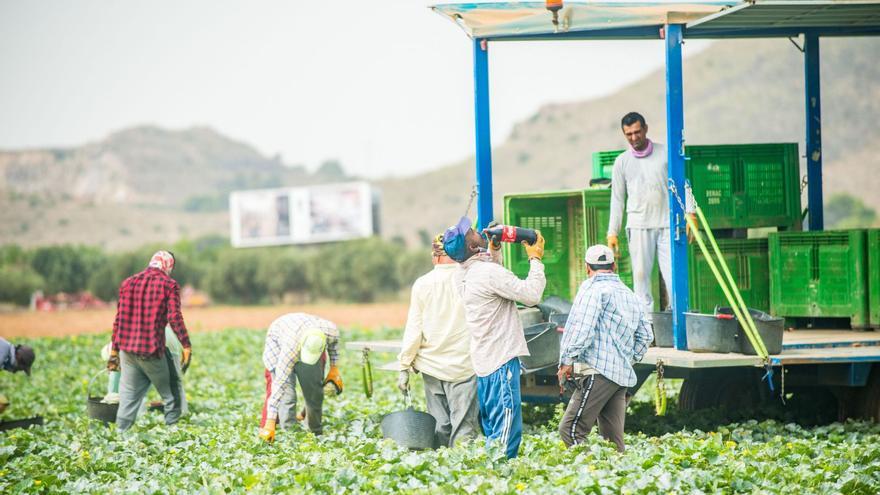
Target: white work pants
{"x":643,"y":245}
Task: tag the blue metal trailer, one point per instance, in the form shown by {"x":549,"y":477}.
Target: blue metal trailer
{"x":844,"y":363}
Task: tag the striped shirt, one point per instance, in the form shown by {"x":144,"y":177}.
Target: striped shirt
{"x":607,"y":329}
{"x":281,"y":351}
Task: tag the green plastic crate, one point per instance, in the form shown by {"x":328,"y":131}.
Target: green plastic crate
{"x":874,"y":277}
{"x":819,"y":274}
{"x":741,"y":186}
{"x":603,"y":163}
{"x":559,"y":216}
{"x":749,"y":265}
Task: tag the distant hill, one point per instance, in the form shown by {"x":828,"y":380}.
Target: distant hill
{"x":149,"y":184}
{"x":137,"y":185}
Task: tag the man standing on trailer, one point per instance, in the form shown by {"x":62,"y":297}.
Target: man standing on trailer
{"x":606,"y":332}
{"x":489,"y":291}
{"x":639,"y":181}
{"x":436,"y":343}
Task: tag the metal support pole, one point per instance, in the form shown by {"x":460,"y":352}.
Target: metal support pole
{"x":675,"y":148}
{"x":481,"y":123}
{"x":814,"y":131}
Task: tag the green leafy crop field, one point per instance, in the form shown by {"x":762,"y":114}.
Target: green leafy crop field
{"x":216,"y":450}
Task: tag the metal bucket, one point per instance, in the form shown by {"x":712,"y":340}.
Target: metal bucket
{"x":530,"y":316}
{"x":543,"y":342}
{"x":712,"y":333}
{"x":554,"y":305}
{"x":662,"y":327}
{"x":97,"y":409}
{"x":770,"y":329}
{"x":411,"y":429}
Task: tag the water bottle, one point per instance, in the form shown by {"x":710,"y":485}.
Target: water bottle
{"x":509,"y":233}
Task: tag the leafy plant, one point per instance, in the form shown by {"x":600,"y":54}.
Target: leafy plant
{"x":215,"y":449}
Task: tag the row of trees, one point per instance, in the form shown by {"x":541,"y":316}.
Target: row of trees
{"x":361,"y":271}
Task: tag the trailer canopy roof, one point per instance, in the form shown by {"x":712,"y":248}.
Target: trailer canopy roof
{"x":498,"y":21}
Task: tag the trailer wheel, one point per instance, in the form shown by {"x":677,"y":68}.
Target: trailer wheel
{"x":730,"y":388}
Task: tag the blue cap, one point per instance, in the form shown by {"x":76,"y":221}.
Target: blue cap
{"x":454,"y":239}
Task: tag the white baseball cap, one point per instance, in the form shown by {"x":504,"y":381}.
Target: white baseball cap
{"x":313,"y":344}
{"x":599,"y":254}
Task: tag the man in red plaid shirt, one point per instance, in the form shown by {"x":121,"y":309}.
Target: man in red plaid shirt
{"x":147,"y":302}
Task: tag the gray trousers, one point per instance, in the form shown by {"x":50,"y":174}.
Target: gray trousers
{"x":311,"y":381}
{"x":455,"y":407}
{"x":138,"y":373}
{"x":644,"y":244}
{"x":595,"y":398}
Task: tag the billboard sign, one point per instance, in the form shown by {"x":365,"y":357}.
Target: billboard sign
{"x":301,"y":215}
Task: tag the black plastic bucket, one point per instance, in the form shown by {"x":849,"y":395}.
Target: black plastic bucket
{"x":411,"y":429}
{"x":97,"y":409}
{"x":543,"y":342}
{"x":712,"y":333}
{"x":662,"y":327}
{"x":770,"y":328}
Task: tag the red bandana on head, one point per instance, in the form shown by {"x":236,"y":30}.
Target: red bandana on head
{"x":163,"y":261}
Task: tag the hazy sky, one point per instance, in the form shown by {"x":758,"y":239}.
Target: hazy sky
{"x":384,"y":86}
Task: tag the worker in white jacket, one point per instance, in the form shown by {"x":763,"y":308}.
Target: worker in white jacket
{"x":436,"y":343}
{"x":489,"y":293}
{"x":639,"y":180}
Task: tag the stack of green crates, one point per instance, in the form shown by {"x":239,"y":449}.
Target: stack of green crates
{"x":820,"y":274}
{"x":738,"y":186}
{"x":748,"y":262}
{"x":559,"y":216}
{"x":569,"y":221}
{"x":874,"y":277}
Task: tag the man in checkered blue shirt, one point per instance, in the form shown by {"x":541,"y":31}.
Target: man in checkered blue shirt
{"x":606,"y":332}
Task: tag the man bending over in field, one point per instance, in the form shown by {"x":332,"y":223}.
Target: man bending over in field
{"x":147,"y":302}
{"x":294,"y":350}
{"x":606,"y":332}
{"x":436,"y":343}
{"x":489,"y":291}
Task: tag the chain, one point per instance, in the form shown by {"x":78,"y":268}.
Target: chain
{"x":660,"y":370}
{"x":467,"y":211}
{"x":803,"y":184}
{"x":675,"y":195}
{"x":660,"y":391}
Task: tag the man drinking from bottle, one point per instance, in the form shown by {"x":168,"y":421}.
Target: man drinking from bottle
{"x":489,"y":293}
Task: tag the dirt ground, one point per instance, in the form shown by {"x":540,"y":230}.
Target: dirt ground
{"x":62,"y":323}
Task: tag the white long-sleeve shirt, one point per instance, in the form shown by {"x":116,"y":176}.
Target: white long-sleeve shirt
{"x":641,"y":184}
{"x":489,"y":292}
{"x":436,"y":341}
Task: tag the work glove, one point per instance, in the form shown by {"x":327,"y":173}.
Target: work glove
{"x":113,"y":362}
{"x":185,"y":358}
{"x":613,"y":243}
{"x":334,"y":377}
{"x":4,"y":403}
{"x":267,"y":432}
{"x":689,"y":230}
{"x":301,"y":416}
{"x":403,"y":381}
{"x":535,"y":250}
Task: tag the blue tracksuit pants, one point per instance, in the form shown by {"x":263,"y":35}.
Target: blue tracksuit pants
{"x":501,"y":407}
